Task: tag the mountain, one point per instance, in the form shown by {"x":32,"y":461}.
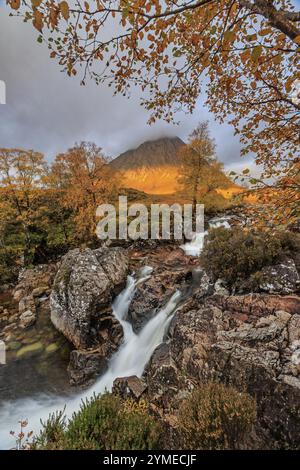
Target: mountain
{"x":153,"y":153}
{"x":152,"y":167}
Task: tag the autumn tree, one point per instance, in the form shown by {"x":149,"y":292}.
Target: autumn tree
{"x":21,"y":175}
{"x":243,"y":53}
{"x":195,"y":158}
{"x":85,"y":180}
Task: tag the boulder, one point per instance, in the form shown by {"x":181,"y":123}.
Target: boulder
{"x":220,"y":287}
{"x":164,"y":379}
{"x":85,"y":366}
{"x":147,"y":299}
{"x":153,"y":293}
{"x":26,"y":303}
{"x":129,"y":387}
{"x":40,"y":291}
{"x":251,"y":342}
{"x":83,"y":289}
{"x":282,"y":278}
{"x":27,"y":319}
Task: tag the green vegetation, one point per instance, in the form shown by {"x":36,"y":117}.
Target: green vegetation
{"x":212,"y":417}
{"x":45,"y":211}
{"x":104,"y":422}
{"x":215,"y":417}
{"x":234,"y":255}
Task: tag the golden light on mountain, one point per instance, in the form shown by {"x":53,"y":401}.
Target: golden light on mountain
{"x":154,"y":168}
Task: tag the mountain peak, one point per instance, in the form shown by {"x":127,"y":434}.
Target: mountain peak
{"x":150,"y":154}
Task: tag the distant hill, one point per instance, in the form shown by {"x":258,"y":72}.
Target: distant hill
{"x":154,"y":167}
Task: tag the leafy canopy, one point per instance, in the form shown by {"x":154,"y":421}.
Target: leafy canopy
{"x":243,"y":52}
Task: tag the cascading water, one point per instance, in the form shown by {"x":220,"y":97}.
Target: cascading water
{"x":195,"y":247}
{"x":130,"y":359}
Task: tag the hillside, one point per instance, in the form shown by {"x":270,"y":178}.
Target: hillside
{"x":154,"y":168}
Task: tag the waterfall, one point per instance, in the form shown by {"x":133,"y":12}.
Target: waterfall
{"x":195,"y":246}
{"x":130,"y":359}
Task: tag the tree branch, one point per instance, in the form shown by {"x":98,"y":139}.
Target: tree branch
{"x":277,"y":18}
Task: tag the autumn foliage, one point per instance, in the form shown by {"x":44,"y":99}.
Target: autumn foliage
{"x":46,"y":209}
{"x":201,"y":173}
{"x":244,"y":54}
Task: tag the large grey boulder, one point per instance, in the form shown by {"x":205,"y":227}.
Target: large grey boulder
{"x":85,"y":366}
{"x":282,"y":278}
{"x":83,"y":289}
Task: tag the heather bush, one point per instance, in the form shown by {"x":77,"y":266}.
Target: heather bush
{"x":234,"y":255}
{"x":104,"y":422}
{"x":215,"y":417}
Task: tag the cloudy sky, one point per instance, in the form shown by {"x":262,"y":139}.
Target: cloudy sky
{"x":49,"y":112}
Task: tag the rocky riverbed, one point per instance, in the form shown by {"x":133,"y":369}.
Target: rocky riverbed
{"x":61,"y":333}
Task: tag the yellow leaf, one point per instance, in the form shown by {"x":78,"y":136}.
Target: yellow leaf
{"x":64,"y":8}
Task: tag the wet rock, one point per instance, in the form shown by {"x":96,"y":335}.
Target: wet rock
{"x":129,"y":387}
{"x":147,"y":299}
{"x":27,"y":319}
{"x":153,"y":293}
{"x":84,"y":287}
{"x":30,"y":350}
{"x":85,"y":366}
{"x":53,"y":347}
{"x":164,"y":379}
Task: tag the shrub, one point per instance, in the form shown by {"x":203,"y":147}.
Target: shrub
{"x":52,"y":436}
{"x":102,"y":423}
{"x":215,"y":417}
{"x":234,"y":255}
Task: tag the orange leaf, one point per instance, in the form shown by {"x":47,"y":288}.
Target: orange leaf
{"x":64,"y":8}
{"x":15,"y":4}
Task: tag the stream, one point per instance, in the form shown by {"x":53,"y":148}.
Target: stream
{"x":130,"y":359}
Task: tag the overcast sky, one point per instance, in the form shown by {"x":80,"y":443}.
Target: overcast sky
{"x":49,"y":112}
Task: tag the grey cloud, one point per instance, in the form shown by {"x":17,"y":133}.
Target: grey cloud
{"x":49,"y":112}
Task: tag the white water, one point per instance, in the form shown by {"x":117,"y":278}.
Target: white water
{"x":195,"y":246}
{"x":130,"y":359}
